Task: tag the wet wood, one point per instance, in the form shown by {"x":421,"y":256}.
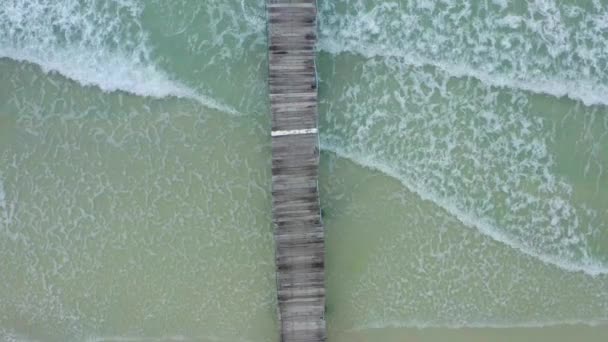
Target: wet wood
{"x":299,"y":231}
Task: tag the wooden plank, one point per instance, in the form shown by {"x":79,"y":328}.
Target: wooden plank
{"x":299,"y":232}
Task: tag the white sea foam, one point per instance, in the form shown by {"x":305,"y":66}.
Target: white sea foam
{"x":175,"y":338}
{"x":7,"y":336}
{"x":115,"y":73}
{"x":2,"y":194}
{"x":3,"y":205}
{"x":476,"y":325}
{"x":586,"y":91}
{"x":588,"y":265}
{"x":539,"y":51}
{"x":489,"y":157}
{"x":103,"y":46}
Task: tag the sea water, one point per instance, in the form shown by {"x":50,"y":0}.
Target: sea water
{"x":464,"y":170}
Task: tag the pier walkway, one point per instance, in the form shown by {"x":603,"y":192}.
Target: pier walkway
{"x":299,"y":232}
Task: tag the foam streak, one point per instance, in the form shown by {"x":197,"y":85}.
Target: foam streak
{"x":468,"y":219}
{"x":102,"y":45}
{"x":585,"y":91}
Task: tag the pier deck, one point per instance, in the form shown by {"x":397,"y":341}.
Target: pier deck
{"x":299,"y":231}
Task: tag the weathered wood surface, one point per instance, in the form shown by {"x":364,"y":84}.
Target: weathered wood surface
{"x":299,"y":232}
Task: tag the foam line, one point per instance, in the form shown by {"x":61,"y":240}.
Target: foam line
{"x":89,"y":43}
{"x":477,"y":325}
{"x":587,"y":266}
{"x":3,"y":205}
{"x":542,"y":46}
{"x":119,"y":76}
{"x":585,"y":91}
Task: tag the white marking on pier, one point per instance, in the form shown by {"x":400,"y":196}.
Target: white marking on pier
{"x":294,"y":132}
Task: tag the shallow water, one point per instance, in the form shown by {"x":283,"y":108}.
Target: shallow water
{"x":463,"y":177}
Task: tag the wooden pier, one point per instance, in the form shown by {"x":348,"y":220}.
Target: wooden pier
{"x":299,"y":232}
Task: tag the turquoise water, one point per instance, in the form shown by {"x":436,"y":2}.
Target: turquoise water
{"x":463,"y":173}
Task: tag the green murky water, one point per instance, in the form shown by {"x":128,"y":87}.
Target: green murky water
{"x":463,"y":179}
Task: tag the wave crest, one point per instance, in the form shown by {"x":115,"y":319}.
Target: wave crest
{"x":94,"y":44}
{"x":588,"y":265}
{"x":544,"y":46}
{"x":586,"y":91}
